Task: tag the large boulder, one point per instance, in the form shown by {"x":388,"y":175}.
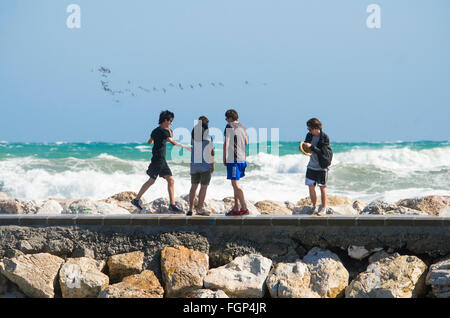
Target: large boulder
{"x":252,"y":209}
{"x":329,"y":277}
{"x":439,"y":278}
{"x":213,"y":206}
{"x":93,"y":207}
{"x":432,"y":205}
{"x":207,"y":293}
{"x":290,"y":280}
{"x":17,"y":207}
{"x":50,"y":207}
{"x":34,"y":274}
{"x":183,"y":270}
{"x":243,"y":277}
{"x":161,"y":206}
{"x":126,"y":264}
{"x":272,"y":207}
{"x":390,"y":277}
{"x":143,"y":285}
{"x":332,"y":200}
{"x":378,"y":207}
{"x":82,"y":278}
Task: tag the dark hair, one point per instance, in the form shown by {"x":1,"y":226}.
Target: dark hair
{"x":314,"y":123}
{"x":231,"y":113}
{"x":165,"y":115}
{"x":203,"y":122}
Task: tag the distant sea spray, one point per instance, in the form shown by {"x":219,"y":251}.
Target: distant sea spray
{"x":366,"y":171}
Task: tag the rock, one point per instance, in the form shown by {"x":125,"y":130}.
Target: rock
{"x":272,"y":207}
{"x":81,"y":251}
{"x":207,"y":293}
{"x":25,"y":247}
{"x":93,"y":207}
{"x":213,"y":206}
{"x":401,"y":210}
{"x":17,"y":207}
{"x":289,"y":205}
{"x":329,"y":277}
{"x":380,"y":255}
{"x":8,"y":289}
{"x":390,"y":277}
{"x":359,"y":205}
{"x":126,"y":264}
{"x":12,"y":253}
{"x":50,"y":207}
{"x":34,"y":274}
{"x":82,"y":278}
{"x":432,"y":204}
{"x":358,"y":252}
{"x":343,"y":209}
{"x":61,"y":247}
{"x":302,"y":209}
{"x":378,"y":207}
{"x":243,"y":277}
{"x":123,"y":199}
{"x":229,"y":204}
{"x":332,"y":200}
{"x":161,"y":205}
{"x":3,"y":196}
{"x":183,"y":270}
{"x":290,"y":280}
{"x":445,"y":212}
{"x":143,"y":285}
{"x":64,"y":203}
{"x":439,"y":278}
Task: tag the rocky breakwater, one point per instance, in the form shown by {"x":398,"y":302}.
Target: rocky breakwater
{"x":186,"y":272}
{"x":120,"y":204}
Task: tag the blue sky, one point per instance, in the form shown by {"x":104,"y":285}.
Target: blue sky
{"x":317,"y":58}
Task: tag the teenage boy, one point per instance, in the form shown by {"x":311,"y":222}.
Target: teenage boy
{"x":202,"y":164}
{"x":234,"y":159}
{"x":158,"y":166}
{"x":317,"y":170}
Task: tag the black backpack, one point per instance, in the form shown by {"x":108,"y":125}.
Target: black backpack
{"x":325,"y":156}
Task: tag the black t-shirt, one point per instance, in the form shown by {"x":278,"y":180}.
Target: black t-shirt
{"x":159,"y":136}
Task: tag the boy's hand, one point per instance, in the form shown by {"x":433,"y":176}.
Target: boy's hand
{"x":307,"y":145}
{"x":212,"y":169}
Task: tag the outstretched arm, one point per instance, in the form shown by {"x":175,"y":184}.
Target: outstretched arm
{"x":177,"y":144}
{"x":150,"y":141}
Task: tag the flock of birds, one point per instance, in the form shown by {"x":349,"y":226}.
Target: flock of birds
{"x":106,"y":73}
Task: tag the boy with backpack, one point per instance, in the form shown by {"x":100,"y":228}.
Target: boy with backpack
{"x":317,"y":170}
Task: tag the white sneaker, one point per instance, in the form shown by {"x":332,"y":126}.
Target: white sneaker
{"x":314,"y":210}
{"x":323,"y":211}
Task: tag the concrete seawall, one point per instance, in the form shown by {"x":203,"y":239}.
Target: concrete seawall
{"x":281,"y":238}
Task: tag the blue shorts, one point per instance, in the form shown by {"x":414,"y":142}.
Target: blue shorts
{"x":236,"y":170}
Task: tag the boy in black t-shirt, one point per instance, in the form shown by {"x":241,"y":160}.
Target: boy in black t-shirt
{"x":158,"y":166}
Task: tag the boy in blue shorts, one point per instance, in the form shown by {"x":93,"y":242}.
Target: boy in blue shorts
{"x":234,"y":157}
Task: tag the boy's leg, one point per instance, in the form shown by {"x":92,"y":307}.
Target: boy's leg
{"x":170,"y":188}
{"x":238,"y":195}
{"x":312,"y":195}
{"x":323,"y":194}
{"x":144,"y":188}
{"x":201,"y":196}
{"x":194,"y":187}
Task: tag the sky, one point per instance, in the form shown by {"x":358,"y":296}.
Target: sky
{"x":280,"y":62}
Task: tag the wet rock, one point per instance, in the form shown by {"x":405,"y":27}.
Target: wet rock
{"x":34,"y":274}
{"x":183,"y":270}
{"x":390,"y":277}
{"x":82,"y":278}
{"x":125,"y":264}
{"x":143,"y":285}
{"x":243,"y":277}
{"x":439,"y":278}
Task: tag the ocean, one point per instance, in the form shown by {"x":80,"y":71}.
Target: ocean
{"x":96,"y":170}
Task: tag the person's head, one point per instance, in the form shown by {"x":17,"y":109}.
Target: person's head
{"x":231,"y":115}
{"x":202,"y":128}
{"x":314,"y":126}
{"x":165,"y":118}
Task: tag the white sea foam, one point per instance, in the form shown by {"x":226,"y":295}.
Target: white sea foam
{"x":366,"y":174}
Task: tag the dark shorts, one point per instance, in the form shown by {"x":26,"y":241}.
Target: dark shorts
{"x":314,"y":177}
{"x":158,"y":168}
{"x":201,"y":177}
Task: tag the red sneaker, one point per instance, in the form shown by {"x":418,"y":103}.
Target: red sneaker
{"x":243,"y":212}
{"x":232,"y":213}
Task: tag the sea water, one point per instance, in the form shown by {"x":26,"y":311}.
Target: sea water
{"x":96,"y":170}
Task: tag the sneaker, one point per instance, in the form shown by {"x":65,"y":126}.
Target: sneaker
{"x":203,"y":212}
{"x":243,"y":212}
{"x":136,"y":203}
{"x":323,"y":211}
{"x":314,"y":209}
{"x":174,"y":208}
{"x":232,"y":213}
{"x":189,"y":213}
